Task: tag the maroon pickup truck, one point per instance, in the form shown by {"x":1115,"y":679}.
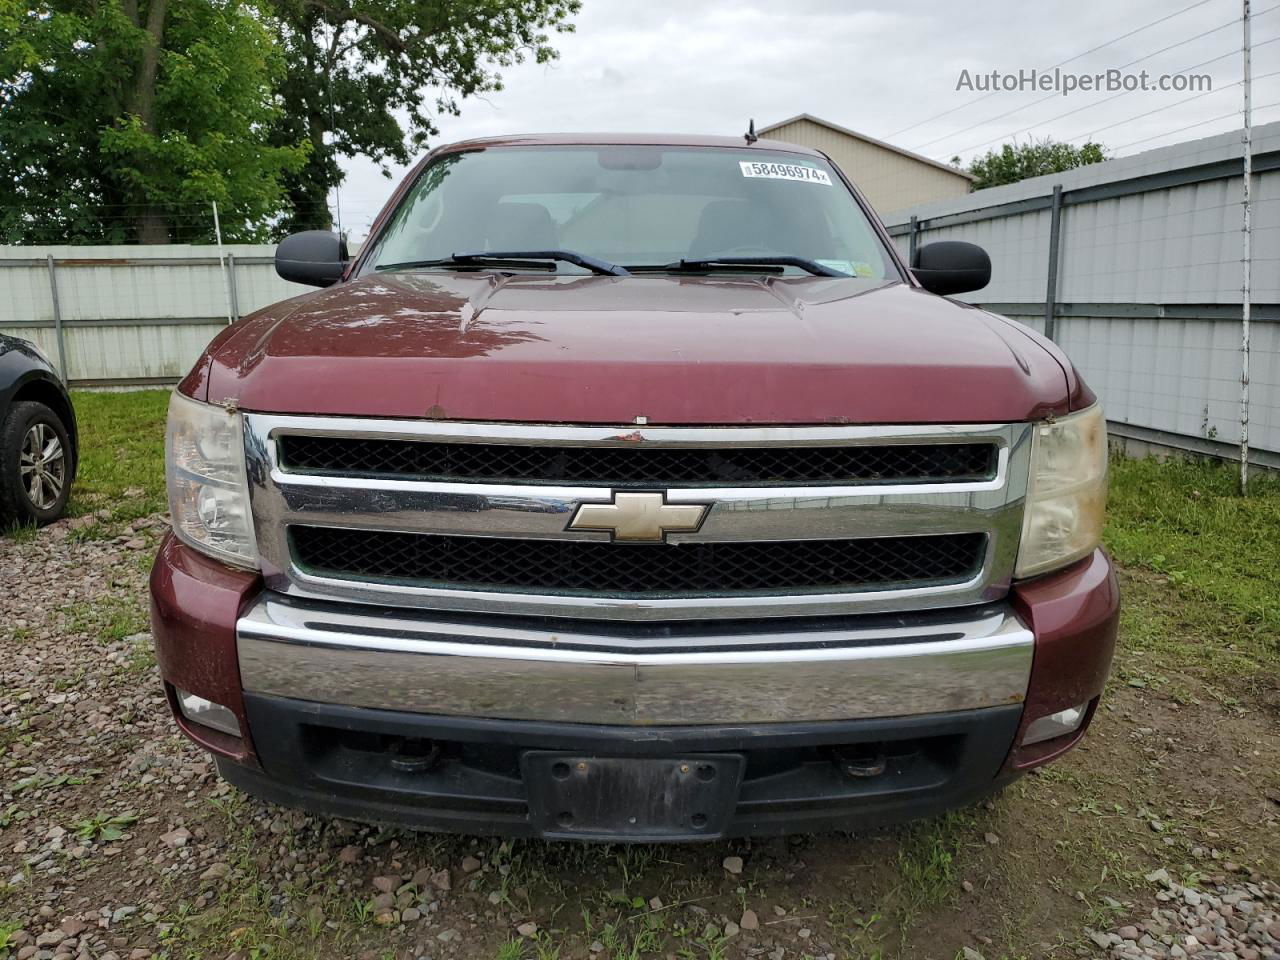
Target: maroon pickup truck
{"x":632,"y":487}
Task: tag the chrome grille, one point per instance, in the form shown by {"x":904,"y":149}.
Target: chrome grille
{"x":637,"y":465}
{"x":922,"y":517}
{"x":572,"y":566}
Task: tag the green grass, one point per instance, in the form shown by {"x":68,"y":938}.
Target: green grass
{"x":927,"y":862}
{"x":1184,"y":519}
{"x":112,"y":617}
{"x":121,"y":453}
{"x":1203,"y":584}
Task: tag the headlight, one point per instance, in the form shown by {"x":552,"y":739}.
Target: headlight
{"x":1067,"y":492}
{"x":208,"y":491}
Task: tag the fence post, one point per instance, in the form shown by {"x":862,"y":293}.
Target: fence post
{"x":1051,"y":287}
{"x":57,"y":318}
{"x":1246,"y":293}
{"x":231,"y":287}
{"x":912,"y":242}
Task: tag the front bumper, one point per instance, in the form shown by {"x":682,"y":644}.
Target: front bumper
{"x":732,"y":674}
{"x":335,"y":760}
{"x":325,"y":695}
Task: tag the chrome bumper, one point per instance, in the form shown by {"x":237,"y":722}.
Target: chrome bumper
{"x":414,"y":661}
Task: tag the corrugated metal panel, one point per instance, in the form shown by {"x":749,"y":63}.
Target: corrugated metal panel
{"x":108,"y":285}
{"x":42,"y":337}
{"x":1163,"y":248}
{"x":151,"y":351}
{"x":92,"y":287}
{"x":1019,"y":251}
{"x":1181,"y":245}
{"x":258,"y":287}
{"x":1177,"y":375}
{"x":120,"y":352}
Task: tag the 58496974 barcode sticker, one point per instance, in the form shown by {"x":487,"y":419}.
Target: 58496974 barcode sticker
{"x":784,"y":171}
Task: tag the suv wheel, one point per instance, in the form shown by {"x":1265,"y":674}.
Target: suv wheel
{"x":35,"y":465}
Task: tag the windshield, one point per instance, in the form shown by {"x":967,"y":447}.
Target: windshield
{"x":639,"y":207}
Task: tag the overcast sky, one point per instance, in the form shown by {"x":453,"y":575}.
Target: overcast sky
{"x":707,"y":66}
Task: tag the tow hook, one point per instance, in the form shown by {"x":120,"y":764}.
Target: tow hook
{"x":412,"y":755}
{"x":859,"y":760}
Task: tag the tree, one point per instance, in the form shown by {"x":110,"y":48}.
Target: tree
{"x":370,"y":77}
{"x":1018,"y":161}
{"x":124,"y":119}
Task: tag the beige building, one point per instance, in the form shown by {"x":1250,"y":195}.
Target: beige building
{"x":890,"y":177}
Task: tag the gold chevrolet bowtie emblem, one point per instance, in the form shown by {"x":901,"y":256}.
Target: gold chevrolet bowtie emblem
{"x":639,"y":517}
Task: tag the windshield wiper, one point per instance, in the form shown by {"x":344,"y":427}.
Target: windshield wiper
{"x":782,"y":260}
{"x":467,"y":262}
{"x":594,"y":264}
{"x":517,"y":258}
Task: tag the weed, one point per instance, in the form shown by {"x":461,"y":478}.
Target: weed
{"x":22,"y":533}
{"x":104,"y":827}
{"x":7,"y":929}
{"x":39,"y":781}
{"x":362,"y":910}
{"x":926,"y":860}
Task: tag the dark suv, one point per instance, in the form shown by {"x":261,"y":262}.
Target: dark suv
{"x":38,"y":442}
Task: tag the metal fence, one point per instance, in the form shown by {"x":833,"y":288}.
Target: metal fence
{"x":1133,"y":266}
{"x":131,"y":315}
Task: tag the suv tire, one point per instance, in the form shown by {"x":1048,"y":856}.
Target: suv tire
{"x":36,"y":465}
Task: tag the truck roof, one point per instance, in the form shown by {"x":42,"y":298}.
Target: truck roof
{"x":624,"y":139}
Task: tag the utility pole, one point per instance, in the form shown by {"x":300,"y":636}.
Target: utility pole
{"x":222,"y":257}
{"x":1248,"y":261}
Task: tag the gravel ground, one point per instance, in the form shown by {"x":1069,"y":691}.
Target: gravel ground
{"x":1224,"y":921}
{"x":117,"y":839}
{"x":89,"y":758}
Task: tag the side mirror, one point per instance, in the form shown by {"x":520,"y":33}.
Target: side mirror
{"x":313,"y":257}
{"x":951,"y":266}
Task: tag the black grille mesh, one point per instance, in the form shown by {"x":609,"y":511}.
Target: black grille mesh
{"x":577,"y":566}
{"x":639,"y":466}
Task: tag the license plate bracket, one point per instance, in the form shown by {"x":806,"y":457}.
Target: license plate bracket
{"x":649,"y":799}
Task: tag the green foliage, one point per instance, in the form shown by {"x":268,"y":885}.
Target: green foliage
{"x":7,"y":929}
{"x":1018,"y":161}
{"x":213,"y":110}
{"x":123,"y":120}
{"x":369,"y":77}
{"x":105,"y":828}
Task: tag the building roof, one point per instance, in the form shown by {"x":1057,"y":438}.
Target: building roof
{"x":627,"y":139}
{"x":862,"y":136}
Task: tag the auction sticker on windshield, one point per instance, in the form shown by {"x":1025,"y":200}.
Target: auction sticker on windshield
{"x":784,"y":171}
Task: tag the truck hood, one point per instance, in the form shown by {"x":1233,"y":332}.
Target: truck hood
{"x":611,"y":350}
